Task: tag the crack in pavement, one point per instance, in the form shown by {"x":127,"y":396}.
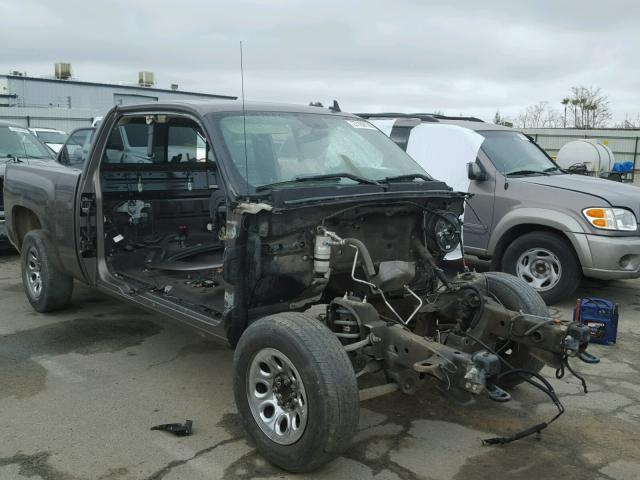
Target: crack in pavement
{"x":253,"y":466}
{"x":158,"y":474}
{"x":36,"y":465}
{"x":358,"y":450}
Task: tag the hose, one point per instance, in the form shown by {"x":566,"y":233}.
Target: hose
{"x":425,"y":255}
{"x":526,"y":375}
{"x":366,"y":256}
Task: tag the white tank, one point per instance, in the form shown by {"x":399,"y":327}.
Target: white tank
{"x":597,"y":157}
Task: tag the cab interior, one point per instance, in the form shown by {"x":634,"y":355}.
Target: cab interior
{"x":164,"y":209}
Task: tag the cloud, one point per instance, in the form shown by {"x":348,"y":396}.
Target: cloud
{"x":462,"y":56}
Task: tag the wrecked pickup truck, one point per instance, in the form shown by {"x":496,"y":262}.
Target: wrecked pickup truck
{"x":306,"y":239}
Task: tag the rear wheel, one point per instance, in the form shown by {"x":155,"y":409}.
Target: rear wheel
{"x":296,"y":391}
{"x":546,"y":262}
{"x":47,"y":287}
{"x":515,"y":295}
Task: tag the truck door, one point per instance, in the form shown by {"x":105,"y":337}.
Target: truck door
{"x":478,"y":215}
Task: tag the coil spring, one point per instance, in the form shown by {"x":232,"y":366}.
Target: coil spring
{"x":345,"y":326}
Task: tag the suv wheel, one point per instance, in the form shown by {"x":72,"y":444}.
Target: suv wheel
{"x":546,"y":262}
{"x":296,"y":391}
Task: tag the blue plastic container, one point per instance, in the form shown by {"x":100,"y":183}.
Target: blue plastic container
{"x":622,"y":167}
{"x":601,"y":316}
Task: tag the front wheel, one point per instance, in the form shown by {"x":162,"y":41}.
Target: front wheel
{"x":546,"y":262}
{"x":515,"y":295}
{"x":296,"y":391}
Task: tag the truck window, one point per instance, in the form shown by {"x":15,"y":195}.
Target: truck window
{"x":283,"y":147}
{"x":174,"y":141}
{"x":75,"y":150}
{"x":128,"y":143}
{"x":21,"y":143}
{"x":185,"y":144}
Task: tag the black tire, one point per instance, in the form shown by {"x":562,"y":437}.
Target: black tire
{"x":616,"y":177}
{"x":327,"y":376}
{"x":569,"y":271}
{"x":54,"y":287}
{"x":516,"y":295}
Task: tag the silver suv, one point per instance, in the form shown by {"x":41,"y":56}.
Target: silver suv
{"x":528,"y":216}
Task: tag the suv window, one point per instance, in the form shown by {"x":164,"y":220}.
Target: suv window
{"x":513,"y":152}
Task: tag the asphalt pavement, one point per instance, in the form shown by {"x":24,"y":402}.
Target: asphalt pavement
{"x":80,"y":389}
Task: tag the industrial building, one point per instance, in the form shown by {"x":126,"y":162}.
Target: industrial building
{"x":63,"y":102}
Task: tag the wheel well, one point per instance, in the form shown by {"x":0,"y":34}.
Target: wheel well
{"x":24,"y":220}
{"x":514,"y":232}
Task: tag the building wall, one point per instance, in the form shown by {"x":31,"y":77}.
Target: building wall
{"x":68,"y":104}
{"x":61,"y":118}
{"x":625,"y":143}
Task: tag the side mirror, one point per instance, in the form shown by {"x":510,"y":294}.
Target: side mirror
{"x":475,"y":172}
{"x":63,"y":156}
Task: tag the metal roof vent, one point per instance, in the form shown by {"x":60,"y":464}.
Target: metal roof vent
{"x":63,"y":71}
{"x":145,"y":79}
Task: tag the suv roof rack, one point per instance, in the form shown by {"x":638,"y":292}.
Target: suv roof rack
{"x":425,"y":117}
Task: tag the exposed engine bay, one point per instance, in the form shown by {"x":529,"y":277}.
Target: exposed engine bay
{"x":378,"y":270}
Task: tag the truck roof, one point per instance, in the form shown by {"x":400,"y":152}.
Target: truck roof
{"x":204,"y":107}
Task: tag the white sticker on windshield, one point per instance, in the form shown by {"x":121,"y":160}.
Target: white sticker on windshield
{"x":360,"y":124}
{"x":19,"y":129}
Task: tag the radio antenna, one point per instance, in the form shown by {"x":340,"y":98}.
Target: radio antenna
{"x":244,"y":121}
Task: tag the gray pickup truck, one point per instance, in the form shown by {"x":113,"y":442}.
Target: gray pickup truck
{"x":236,"y":220}
{"x":528,"y":216}
{"x":17,"y":144}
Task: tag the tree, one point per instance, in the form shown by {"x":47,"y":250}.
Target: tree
{"x":629,"y":122}
{"x":590,"y":107}
{"x":539,"y":115}
{"x":565,"y":101}
{"x":497,"y":119}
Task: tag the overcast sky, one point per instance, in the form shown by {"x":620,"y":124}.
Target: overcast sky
{"x":470,"y":57}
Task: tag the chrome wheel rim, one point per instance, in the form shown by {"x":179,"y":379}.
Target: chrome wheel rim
{"x":34,"y":273}
{"x":540,"y":268}
{"x":277,"y":397}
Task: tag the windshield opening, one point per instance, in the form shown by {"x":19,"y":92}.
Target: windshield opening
{"x":18,"y":142}
{"x":512,"y":153}
{"x":292,"y":147}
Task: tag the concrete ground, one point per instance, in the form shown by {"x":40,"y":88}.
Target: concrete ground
{"x":79,"y":390}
